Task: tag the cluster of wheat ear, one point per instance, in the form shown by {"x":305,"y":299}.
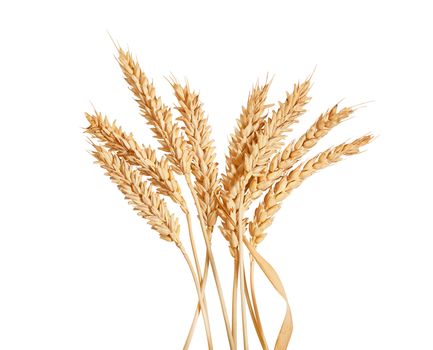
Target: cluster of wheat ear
{"x":259,"y":166}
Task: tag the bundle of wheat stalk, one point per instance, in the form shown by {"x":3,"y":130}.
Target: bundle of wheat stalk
{"x":259,"y":166}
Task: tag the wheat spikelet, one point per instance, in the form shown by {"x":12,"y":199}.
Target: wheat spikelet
{"x":158,"y":115}
{"x":263,"y":215}
{"x":124,"y":145}
{"x":203,"y":166}
{"x":284,"y":160}
{"x":147,"y":203}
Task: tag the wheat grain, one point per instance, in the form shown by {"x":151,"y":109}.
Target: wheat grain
{"x":158,"y":115}
{"x":264,"y":213}
{"x":203,"y":166}
{"x":147,"y":203}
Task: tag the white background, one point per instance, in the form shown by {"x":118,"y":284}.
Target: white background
{"x":79,"y":270}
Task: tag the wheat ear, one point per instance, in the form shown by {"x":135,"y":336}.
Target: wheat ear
{"x":284,"y":160}
{"x":158,"y":115}
{"x":250,"y":121}
{"x":241,"y":227}
{"x":203,"y":166}
{"x":157,"y":171}
{"x":264,"y":213}
{"x":145,"y":201}
{"x":248,"y":124}
{"x":269,"y":140}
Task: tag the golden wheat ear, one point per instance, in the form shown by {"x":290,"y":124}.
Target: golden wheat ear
{"x":264,"y":213}
{"x":147,"y":203}
{"x":250,"y":121}
{"x":280,"y":123}
{"x":283,"y":161}
{"x":198,"y":133}
{"x":157,"y":114}
{"x":157,"y":171}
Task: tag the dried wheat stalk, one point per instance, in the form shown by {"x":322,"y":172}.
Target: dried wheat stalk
{"x":257,"y":161}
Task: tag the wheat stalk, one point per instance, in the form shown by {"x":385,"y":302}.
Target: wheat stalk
{"x":203,"y":166}
{"x":263,"y":215}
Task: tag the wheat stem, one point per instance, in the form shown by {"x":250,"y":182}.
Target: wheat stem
{"x":198,"y":309}
{"x":212,"y":263}
{"x":259,"y":331}
{"x":255,"y":306}
{"x":199,"y":294}
{"x":197,"y":263}
{"x":234,"y":295}
{"x":241,"y":268}
{"x":235,"y":299}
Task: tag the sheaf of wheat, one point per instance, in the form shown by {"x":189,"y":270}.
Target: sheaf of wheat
{"x":261,"y":170}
